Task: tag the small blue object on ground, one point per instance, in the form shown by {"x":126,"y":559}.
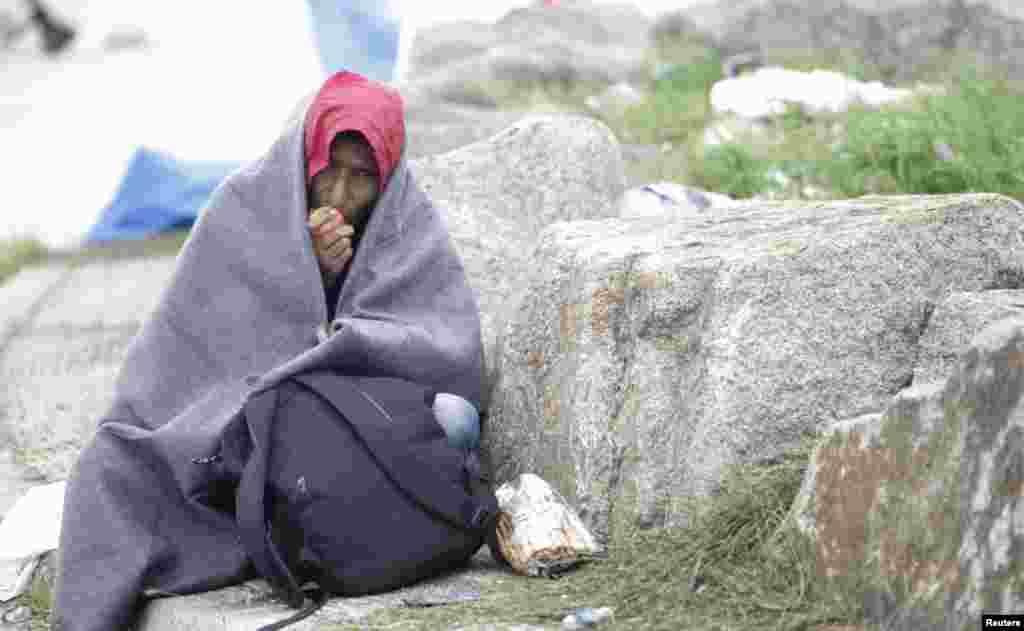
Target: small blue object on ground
{"x":459,"y":419}
{"x":587,"y":617}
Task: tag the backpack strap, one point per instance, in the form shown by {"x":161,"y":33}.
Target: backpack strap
{"x":416,"y":477}
{"x":251,"y":509}
{"x":317,"y":598}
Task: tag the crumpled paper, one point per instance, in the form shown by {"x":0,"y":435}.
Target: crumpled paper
{"x":30,"y":529}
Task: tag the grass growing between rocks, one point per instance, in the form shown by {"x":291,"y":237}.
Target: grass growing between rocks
{"x":752,"y":572}
{"x":17,"y":252}
{"x":677,"y":107}
{"x":971,"y":139}
{"x":39,"y":596}
{"x":39,"y":599}
{"x":968,"y":139}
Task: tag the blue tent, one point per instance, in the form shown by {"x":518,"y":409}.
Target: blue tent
{"x":357,"y":35}
{"x":158,"y":193}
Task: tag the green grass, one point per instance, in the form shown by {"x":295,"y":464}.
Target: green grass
{"x":39,"y":596}
{"x":893,"y":150}
{"x":513,"y":95}
{"x":889,"y":151}
{"x":676,"y":108}
{"x":17,"y":252}
{"x":757,"y":572}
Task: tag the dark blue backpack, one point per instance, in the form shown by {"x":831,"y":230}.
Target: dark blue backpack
{"x":349,"y":482}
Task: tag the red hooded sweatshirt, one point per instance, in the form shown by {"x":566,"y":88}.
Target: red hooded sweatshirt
{"x":351,"y":102}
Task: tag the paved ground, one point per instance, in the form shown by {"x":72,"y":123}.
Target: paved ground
{"x":63,"y":333}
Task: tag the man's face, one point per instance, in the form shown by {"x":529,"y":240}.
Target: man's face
{"x":351,"y":182}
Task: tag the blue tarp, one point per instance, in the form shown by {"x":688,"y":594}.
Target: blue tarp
{"x":158,"y":193}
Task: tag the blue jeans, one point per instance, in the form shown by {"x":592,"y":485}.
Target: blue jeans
{"x":459,"y":419}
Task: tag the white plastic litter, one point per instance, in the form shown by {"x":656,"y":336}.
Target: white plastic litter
{"x":30,"y":529}
{"x":668,"y":200}
{"x":616,"y":97}
{"x":768,"y":91}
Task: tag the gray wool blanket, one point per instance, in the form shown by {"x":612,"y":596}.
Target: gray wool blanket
{"x":241,"y":313}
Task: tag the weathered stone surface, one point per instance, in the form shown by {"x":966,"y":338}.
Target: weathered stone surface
{"x":57,"y":375}
{"x":924,"y":500}
{"x":247,"y":606}
{"x":22,"y":295}
{"x":954,"y":323}
{"x":16,"y":478}
{"x":644,"y":356}
{"x":499,"y":194}
{"x":433,"y":128}
{"x":900,"y":36}
{"x":56,"y":385}
{"x":575,"y":41}
{"x":442,"y":44}
{"x":107,"y":294}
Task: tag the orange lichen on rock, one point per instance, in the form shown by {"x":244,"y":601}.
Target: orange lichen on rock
{"x":567,"y":322}
{"x":650,"y":280}
{"x":897,"y":561}
{"x":846,"y":485}
{"x":601,"y":306}
{"x":848,"y":482}
{"x":551,"y":406}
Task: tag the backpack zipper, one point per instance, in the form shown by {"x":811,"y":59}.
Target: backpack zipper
{"x":375,"y":404}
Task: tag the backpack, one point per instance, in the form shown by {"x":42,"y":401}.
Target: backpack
{"x":350,"y":482}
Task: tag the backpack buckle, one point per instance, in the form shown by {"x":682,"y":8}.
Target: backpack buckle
{"x":481,"y":516}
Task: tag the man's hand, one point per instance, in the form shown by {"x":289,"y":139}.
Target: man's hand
{"x":332,"y":241}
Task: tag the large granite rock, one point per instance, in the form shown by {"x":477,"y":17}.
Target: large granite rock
{"x":924,"y":502}
{"x":440,"y":45}
{"x":498,"y":195}
{"x":565,"y":44}
{"x":899,"y":36}
{"x":432,"y":128}
{"x":955,"y":321}
{"x":644,"y":356}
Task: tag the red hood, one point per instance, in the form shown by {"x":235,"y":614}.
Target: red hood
{"x":351,"y":102}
